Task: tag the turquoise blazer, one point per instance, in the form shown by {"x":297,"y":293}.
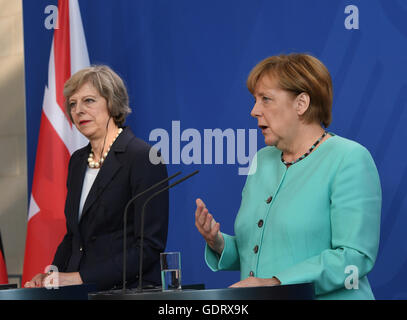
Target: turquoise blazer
{"x":316,"y":221}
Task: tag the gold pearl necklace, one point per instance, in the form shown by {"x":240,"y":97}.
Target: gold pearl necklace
{"x":97,"y":164}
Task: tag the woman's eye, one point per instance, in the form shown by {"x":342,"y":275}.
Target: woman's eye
{"x":72,"y":104}
{"x":266,"y":99}
{"x":89,"y":100}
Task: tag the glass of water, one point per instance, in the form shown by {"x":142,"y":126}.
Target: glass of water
{"x":170,"y":270}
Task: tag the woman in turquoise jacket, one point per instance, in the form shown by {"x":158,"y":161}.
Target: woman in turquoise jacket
{"x":311,"y":205}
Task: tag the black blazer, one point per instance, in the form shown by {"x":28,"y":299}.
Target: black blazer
{"x":94,"y":245}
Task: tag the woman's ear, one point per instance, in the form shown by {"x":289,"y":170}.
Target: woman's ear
{"x":302,"y":102}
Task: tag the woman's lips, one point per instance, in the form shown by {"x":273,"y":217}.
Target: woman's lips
{"x":84,"y":122}
{"x":263,"y":128}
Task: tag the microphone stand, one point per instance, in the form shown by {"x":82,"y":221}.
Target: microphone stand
{"x":125,"y":222}
{"x":140,"y":286}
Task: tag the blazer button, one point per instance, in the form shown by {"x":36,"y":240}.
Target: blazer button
{"x":260,"y":223}
{"x":269,"y":199}
{"x":80,"y":249}
{"x":251,"y":274}
{"x":256,"y":248}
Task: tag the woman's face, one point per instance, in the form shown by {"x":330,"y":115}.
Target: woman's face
{"x":275,"y":110}
{"x":89,"y":111}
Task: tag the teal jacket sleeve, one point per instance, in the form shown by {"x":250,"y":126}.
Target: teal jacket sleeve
{"x":355,"y":226}
{"x":228,"y":260}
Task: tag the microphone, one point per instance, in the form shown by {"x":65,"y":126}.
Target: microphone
{"x":140,"y":288}
{"x":125,"y":221}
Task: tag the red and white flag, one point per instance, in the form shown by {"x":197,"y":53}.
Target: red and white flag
{"x":57,"y":140}
{"x":3,"y":267}
{"x":3,"y":270}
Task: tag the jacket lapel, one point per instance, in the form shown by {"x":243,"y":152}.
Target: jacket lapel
{"x":107,"y":172}
{"x":76,"y":184}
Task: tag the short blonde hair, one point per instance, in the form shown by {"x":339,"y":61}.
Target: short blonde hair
{"x":298,"y":73}
{"x":109,"y":85}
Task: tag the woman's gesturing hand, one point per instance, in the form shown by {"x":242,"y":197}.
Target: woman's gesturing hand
{"x":36,"y":281}
{"x":208,"y":227}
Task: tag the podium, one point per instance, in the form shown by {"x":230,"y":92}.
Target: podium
{"x":303,"y":291}
{"x":78,"y":292}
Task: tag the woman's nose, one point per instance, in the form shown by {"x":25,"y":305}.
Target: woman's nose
{"x":255,"y":111}
{"x":78,"y":108}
